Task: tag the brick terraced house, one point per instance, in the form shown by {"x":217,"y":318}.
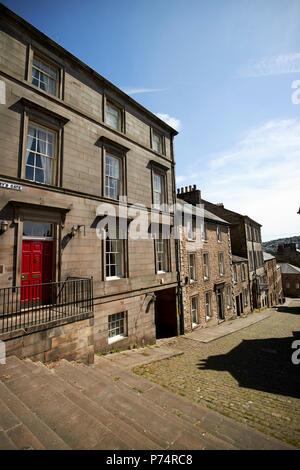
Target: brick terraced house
{"x":72,"y":141}
{"x":206,"y":267}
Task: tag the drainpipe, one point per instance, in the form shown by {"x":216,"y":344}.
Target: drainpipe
{"x":177,"y":249}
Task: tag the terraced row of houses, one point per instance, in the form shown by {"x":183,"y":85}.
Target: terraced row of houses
{"x":97,"y":251}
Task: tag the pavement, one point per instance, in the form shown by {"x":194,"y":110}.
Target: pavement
{"x":205,"y":335}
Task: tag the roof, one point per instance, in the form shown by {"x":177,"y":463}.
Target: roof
{"x":239,"y":259}
{"x":199,"y":211}
{"x":233,"y":212}
{"x":62,"y":51}
{"x":287,"y":268}
{"x":268,"y":256}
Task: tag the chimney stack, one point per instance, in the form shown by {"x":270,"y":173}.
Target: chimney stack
{"x":190,"y":194}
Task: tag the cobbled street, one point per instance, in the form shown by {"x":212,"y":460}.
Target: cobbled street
{"x":247,"y":375}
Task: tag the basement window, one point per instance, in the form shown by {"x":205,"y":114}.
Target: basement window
{"x":116,"y":327}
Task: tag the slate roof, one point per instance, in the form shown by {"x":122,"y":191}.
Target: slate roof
{"x":287,"y":268}
{"x":190,"y":209}
{"x":268,"y":256}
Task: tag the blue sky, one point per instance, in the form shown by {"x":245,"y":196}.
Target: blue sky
{"x":220,"y":70}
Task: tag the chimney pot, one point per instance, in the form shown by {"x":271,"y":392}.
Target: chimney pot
{"x":186,"y":189}
{"x":190,"y":188}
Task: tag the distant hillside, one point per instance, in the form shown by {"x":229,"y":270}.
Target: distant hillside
{"x":271,"y":246}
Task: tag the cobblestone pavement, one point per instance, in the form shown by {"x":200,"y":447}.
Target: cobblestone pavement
{"x":247,"y":375}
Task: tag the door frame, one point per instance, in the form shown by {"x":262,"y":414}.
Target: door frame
{"x":28,"y":213}
{"x":220,"y":290}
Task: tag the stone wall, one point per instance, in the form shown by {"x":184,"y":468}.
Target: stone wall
{"x":200,"y":287}
{"x":73,"y":341}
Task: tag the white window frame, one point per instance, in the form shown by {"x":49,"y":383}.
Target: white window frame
{"x":52,"y":68}
{"x":110,"y":155}
{"x":162,"y":242}
{"x":191,"y":230}
{"x":203,"y":232}
{"x":208,"y":306}
{"x":192,"y":267}
{"x":228,"y":297}
{"x":194,"y":310}
{"x":205,"y":266}
{"x":122,"y":318}
{"x":120,"y":244}
{"x":118,"y":112}
{"x":53,"y":158}
{"x":161,"y":176}
{"x":157,"y":137}
{"x":221,"y":263}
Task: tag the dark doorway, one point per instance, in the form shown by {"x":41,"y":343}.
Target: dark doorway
{"x":241,"y":303}
{"x":165,"y":313}
{"x":220,"y":303}
{"x":237,"y":303}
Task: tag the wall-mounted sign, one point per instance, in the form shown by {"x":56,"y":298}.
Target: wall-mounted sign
{"x":5,"y":185}
{"x":264,"y":286}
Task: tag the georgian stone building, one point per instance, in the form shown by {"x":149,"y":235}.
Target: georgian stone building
{"x":72,"y":141}
{"x":205,"y":267}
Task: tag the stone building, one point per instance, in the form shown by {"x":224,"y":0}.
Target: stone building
{"x":241,"y":285}
{"x":72,"y":141}
{"x":245,"y":235}
{"x":206,"y":268}
{"x":273,"y":278}
{"x":288,"y":253}
{"x":290,"y":279}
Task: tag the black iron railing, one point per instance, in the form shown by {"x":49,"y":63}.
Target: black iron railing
{"x":24,"y":306}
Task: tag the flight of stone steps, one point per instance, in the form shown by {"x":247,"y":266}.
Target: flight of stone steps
{"x":105,"y":406}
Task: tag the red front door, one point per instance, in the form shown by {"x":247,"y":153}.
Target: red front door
{"x":37,"y":268}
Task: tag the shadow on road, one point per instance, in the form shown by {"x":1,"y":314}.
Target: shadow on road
{"x":261,"y":364}
{"x":283,"y":309}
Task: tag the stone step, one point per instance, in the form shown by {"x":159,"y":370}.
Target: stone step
{"x":14,"y":413}
{"x":208,"y":421}
{"x":5,"y":442}
{"x":60,"y":377}
{"x":72,"y":424}
{"x":147,"y":417}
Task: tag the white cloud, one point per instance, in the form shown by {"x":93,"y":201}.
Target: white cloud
{"x":134,"y":91}
{"x":171,"y":121}
{"x":272,"y":65}
{"x":259,"y":176}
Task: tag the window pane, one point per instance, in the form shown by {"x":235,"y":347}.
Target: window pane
{"x":44,"y":76}
{"x":37,"y":229}
{"x":40,"y":154}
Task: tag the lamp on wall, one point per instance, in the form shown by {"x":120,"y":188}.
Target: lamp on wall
{"x":3,"y":226}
